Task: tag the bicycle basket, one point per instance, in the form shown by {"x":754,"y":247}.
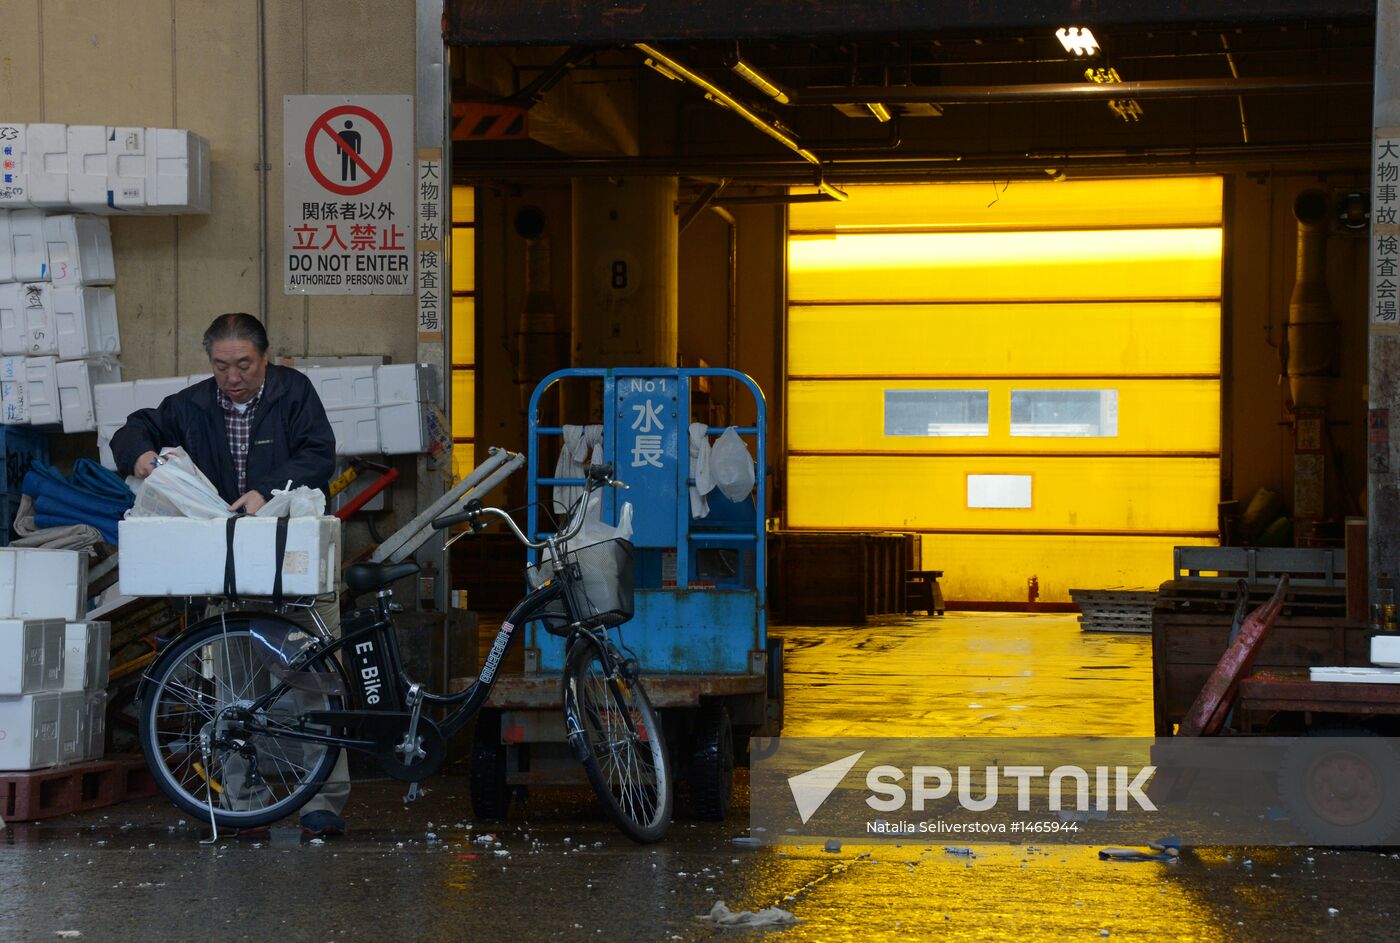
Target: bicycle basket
{"x":598,"y":579}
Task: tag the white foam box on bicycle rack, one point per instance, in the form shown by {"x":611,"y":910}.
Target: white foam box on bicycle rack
{"x":356,"y":430}
{"x":86,"y":655}
{"x":28,"y":249}
{"x":42,"y":584}
{"x":72,"y":727}
{"x":95,"y":728}
{"x":29,"y":731}
{"x":75,"y":384}
{"x":181,"y":556}
{"x":343,"y":387}
{"x":31,"y":656}
{"x":86,"y":322}
{"x":1385,"y":650}
{"x":27,"y":325}
{"x":80,"y":250}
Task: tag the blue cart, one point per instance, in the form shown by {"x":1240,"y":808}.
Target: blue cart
{"x":700,"y":629}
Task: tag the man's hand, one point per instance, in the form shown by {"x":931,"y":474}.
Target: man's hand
{"x":249,"y":503}
{"x":144,"y":465}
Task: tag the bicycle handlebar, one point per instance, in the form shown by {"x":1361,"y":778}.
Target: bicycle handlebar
{"x":596,"y":476}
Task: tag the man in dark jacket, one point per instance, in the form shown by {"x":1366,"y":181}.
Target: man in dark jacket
{"x":251,"y":427}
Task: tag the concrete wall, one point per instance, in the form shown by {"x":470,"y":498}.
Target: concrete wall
{"x":194,"y":64}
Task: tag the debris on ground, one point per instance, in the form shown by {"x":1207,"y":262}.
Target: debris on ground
{"x":832,"y":846}
{"x":721,"y":916}
{"x":958,"y":850}
{"x":1137,"y":854}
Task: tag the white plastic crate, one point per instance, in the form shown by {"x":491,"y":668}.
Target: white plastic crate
{"x":27,"y":325}
{"x":31,"y":656}
{"x":403,"y":429}
{"x":87,"y":167}
{"x":42,"y":584}
{"x":14,"y":182}
{"x":356,"y":430}
{"x":86,"y":655}
{"x":46,"y":164}
{"x":180,"y":556}
{"x":85,"y":320}
{"x":75,"y":384}
{"x":343,"y":387}
{"x":28,"y":250}
{"x":80,"y":250}
{"x":29,"y":731}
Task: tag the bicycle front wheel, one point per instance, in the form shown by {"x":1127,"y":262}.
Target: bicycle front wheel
{"x":613,"y":725}
{"x":203,"y":689}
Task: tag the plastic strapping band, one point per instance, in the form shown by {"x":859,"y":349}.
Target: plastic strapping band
{"x":281,"y":558}
{"x":230,"y":577}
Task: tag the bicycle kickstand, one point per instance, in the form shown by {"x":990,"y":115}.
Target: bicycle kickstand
{"x":206,"y":753}
{"x":411,"y":747}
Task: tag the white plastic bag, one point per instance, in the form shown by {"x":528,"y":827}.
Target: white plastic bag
{"x":731,"y":466}
{"x":595,"y":531}
{"x":300,"y":501}
{"x":177,"y":488}
{"x":700,"y":469}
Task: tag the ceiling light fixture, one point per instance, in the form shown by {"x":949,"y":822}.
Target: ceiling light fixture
{"x":881,"y":113}
{"x":758,"y":80}
{"x":662,"y":70}
{"x":1078,"y":40}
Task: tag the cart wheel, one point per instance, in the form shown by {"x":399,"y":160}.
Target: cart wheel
{"x":712,"y":764}
{"x":1342,"y":787}
{"x":490,"y":798}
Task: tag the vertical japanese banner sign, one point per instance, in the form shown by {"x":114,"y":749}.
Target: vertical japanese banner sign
{"x":649,"y":444}
{"x":1385,"y":231}
{"x":348,"y":195}
{"x":429,"y":232}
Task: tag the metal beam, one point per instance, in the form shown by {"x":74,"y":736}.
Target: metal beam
{"x":1072,"y":91}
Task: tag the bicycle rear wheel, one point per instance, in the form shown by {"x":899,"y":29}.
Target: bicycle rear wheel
{"x":612,"y":724}
{"x":203,"y":686}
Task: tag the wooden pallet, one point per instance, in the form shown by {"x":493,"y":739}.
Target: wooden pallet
{"x":1115,"y":610}
{"x":45,"y":793}
{"x":1211,"y":596}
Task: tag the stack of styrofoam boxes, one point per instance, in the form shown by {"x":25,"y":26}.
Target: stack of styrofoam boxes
{"x":114,"y":402}
{"x":53,"y":667}
{"x":376,"y":410}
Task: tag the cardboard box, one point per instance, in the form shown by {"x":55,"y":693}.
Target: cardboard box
{"x":85,"y":320}
{"x":126,"y":168}
{"x":29,"y":731}
{"x":42,"y":584}
{"x":27,"y":325}
{"x":178,"y":556}
{"x":356,"y":430}
{"x":80,"y":250}
{"x":95,"y":727}
{"x":75,"y":383}
{"x":14,"y":183}
{"x":87,"y":167}
{"x":46,"y":164}
{"x":31,"y":656}
{"x":177,"y":171}
{"x":29,"y":251}
{"x":86,"y":655}
{"x":403,"y":429}
{"x":343,"y":387}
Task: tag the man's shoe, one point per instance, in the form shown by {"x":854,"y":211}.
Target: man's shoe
{"x":322,"y":823}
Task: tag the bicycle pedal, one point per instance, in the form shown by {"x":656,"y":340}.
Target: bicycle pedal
{"x":415,"y":792}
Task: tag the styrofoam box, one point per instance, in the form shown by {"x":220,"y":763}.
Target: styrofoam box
{"x":28,"y":249}
{"x":27,"y":324}
{"x":72,"y":726}
{"x":149,"y":393}
{"x":1385,"y":650}
{"x":86,"y":322}
{"x":86,"y":655}
{"x":114,"y":402}
{"x":403,"y":429}
{"x":177,"y":556}
{"x":75,"y":382}
{"x":46,"y":164}
{"x":14,"y":392}
{"x":126,"y":168}
{"x":41,"y":387}
{"x":105,"y":431}
{"x":31,"y":655}
{"x":29,"y":731}
{"x":7,"y":258}
{"x":1354,"y":675}
{"x":87,"y":166}
{"x":356,"y":430}
{"x":177,"y":171}
{"x":96,"y":725}
{"x":42,"y":584}
{"x":343,"y":387}
{"x":80,"y":249}
{"x":402,"y":383}
{"x":14,"y":183}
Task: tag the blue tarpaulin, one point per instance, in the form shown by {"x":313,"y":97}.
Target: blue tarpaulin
{"x":90,"y":495}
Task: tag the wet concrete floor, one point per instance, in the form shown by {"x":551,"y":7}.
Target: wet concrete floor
{"x":557,"y":870}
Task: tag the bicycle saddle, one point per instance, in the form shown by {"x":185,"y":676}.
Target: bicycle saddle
{"x":363,"y":577}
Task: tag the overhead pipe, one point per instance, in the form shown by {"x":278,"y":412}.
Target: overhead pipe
{"x":1069,"y":91}
{"x":721,"y":97}
{"x":1312,"y":328}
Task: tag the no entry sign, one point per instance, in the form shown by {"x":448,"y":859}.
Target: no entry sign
{"x":348,"y":200}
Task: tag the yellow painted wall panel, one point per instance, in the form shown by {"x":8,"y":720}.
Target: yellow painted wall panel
{"x":1143,"y":201}
{"x":996,"y":266}
{"x":464,"y":330}
{"x":1153,"y":416}
{"x":1076,"y":494}
{"x":463,"y":403}
{"x":988,"y":568}
{"x":463,"y":259}
{"x":1064,"y":339}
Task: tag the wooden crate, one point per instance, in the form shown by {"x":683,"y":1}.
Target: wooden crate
{"x":838,"y":576}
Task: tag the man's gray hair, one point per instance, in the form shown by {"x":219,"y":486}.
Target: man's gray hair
{"x":236,"y":326}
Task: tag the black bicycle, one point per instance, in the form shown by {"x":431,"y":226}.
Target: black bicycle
{"x":244,"y":715}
